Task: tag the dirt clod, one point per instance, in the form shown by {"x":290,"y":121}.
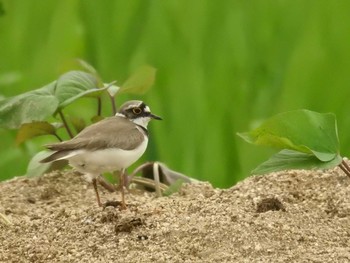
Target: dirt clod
{"x":269,"y":204}
{"x":48,"y":193}
{"x":294,"y":216}
{"x":128,"y":225}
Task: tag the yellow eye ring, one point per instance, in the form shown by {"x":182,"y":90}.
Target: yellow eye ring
{"x":136,"y":111}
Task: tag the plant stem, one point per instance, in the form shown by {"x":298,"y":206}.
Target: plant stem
{"x":114,"y":107}
{"x":5,"y":219}
{"x":65,"y":124}
{"x":99,"y":106}
{"x":140,"y":168}
{"x":156,"y":179}
{"x":148,"y":183}
{"x":345,"y":167}
{"x":58,"y":137}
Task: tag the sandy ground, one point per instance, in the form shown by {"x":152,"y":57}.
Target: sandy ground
{"x":294,"y":216}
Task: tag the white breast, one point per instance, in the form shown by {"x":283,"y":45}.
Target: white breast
{"x":94,"y":163}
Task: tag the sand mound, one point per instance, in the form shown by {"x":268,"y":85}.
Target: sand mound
{"x":300,"y":216}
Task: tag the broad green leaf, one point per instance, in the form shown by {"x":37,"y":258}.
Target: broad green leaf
{"x":140,"y":81}
{"x":74,"y":85}
{"x":300,"y":130}
{"x":90,"y":69}
{"x":34,"y":105}
{"x":35,"y":167}
{"x":293,"y":160}
{"x":33,"y":129}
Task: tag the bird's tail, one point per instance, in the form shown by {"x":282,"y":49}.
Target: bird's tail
{"x":56,"y":156}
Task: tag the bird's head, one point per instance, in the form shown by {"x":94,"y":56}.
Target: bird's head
{"x":138,"y":112}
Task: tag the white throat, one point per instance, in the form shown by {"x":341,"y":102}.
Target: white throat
{"x":142,"y":121}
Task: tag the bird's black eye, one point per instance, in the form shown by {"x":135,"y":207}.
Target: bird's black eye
{"x":136,"y":111}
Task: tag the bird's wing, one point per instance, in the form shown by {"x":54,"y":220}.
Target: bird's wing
{"x":107,"y":133}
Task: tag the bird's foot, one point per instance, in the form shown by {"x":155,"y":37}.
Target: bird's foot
{"x":116,"y":204}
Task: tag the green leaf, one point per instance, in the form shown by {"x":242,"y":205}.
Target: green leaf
{"x":289,"y":160}
{"x":88,"y":67}
{"x":74,"y":85}
{"x":112,"y":89}
{"x":34,"y":105}
{"x":33,"y":129}
{"x":35,"y":168}
{"x":300,"y":130}
{"x":140,"y":81}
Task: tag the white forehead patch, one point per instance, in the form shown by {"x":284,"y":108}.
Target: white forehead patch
{"x":133,"y":105}
{"x":147,"y":109}
{"x":120,"y":114}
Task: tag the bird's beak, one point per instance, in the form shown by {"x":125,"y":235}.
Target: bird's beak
{"x":155,"y":117}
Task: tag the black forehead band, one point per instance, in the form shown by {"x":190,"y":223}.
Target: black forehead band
{"x":142,"y":106}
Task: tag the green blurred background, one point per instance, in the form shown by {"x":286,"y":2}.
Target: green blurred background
{"x":223,"y":66}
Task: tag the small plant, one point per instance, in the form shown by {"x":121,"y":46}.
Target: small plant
{"x":30,"y":112}
{"x":307,"y":139}
{"x":157,"y":176}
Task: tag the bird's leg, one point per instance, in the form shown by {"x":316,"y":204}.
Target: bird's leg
{"x":122,"y":182}
{"x":94,"y":183}
{"x":103,"y":182}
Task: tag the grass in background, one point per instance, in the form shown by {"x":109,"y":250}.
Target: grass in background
{"x":222,"y":67}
